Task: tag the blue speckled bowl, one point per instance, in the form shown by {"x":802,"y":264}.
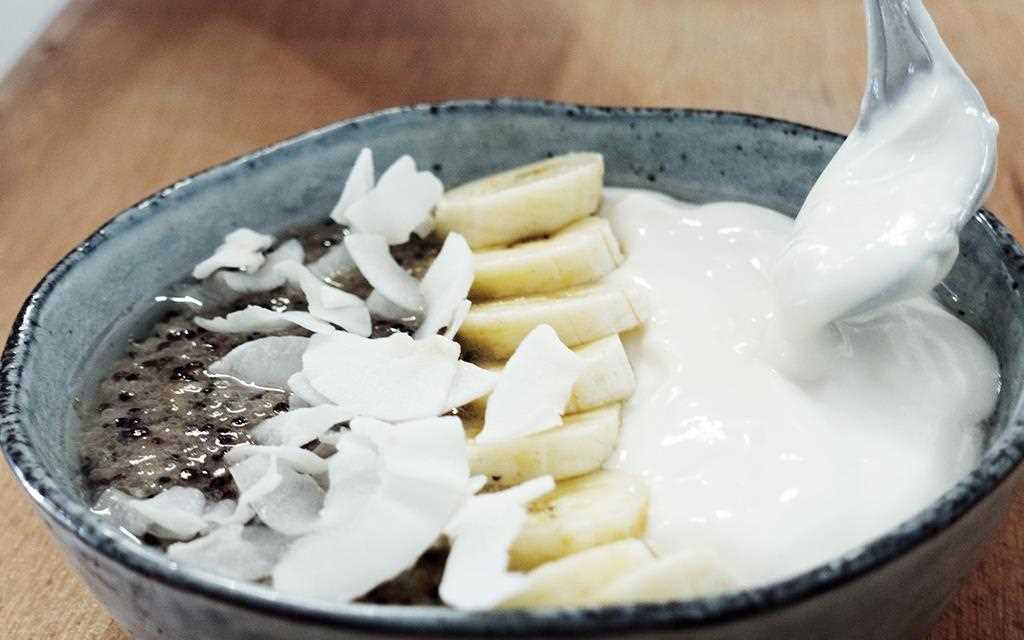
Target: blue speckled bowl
{"x":892,"y":587}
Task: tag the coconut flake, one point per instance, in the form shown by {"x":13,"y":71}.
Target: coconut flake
{"x":393,"y":488}
{"x":374,"y":260}
{"x":173,"y":514}
{"x":299,"y":426}
{"x":354,"y":476}
{"x":457,"y":319}
{"x":293,"y":507}
{"x":284,"y":499}
{"x":259,"y":319}
{"x":476,"y":484}
{"x":471,"y":382}
{"x":381,"y":307}
{"x":220,"y":512}
{"x":295,"y":456}
{"x":533,"y":389}
{"x":446,"y":285}
{"x":330,"y":439}
{"x":357,"y":185}
{"x":399,"y":204}
{"x":303,"y":394}
{"x":255,"y":477}
{"x":241,"y":249}
{"x":393,"y":378}
{"x":476,"y":575}
{"x":233,"y":551}
{"x":265,"y":362}
{"x":334,"y":261}
{"x":265,"y":278}
{"x":329,"y":303}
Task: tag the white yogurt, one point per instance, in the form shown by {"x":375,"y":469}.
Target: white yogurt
{"x":882,"y":221}
{"x":799,"y":391}
{"x":774,"y":475}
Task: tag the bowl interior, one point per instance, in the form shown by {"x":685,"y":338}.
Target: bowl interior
{"x":697,"y":156}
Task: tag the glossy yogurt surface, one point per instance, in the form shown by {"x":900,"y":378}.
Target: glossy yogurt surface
{"x":773,"y":474}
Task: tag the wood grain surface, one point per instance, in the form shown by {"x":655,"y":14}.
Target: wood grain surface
{"x":121,"y":97}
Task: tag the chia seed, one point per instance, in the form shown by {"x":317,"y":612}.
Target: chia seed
{"x":158,"y":419}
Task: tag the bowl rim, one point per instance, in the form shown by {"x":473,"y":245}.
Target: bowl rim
{"x":995,"y":466}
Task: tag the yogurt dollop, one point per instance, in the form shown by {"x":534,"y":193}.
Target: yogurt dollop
{"x":882,"y":221}
{"x":799,"y":390}
{"x":775,"y":475}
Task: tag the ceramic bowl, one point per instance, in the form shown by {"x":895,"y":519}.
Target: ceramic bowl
{"x":892,"y":587}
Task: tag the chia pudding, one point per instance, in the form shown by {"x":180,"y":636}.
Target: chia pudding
{"x":159,"y":419}
{"x":371,"y":409}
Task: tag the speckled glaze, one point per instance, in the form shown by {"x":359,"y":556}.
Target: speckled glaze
{"x":892,"y":587}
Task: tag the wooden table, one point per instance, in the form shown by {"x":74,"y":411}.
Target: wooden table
{"x":121,"y":97}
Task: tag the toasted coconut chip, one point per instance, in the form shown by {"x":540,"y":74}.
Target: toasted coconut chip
{"x":330,"y":439}
{"x":534,"y":388}
{"x":265,"y":362}
{"x":471,"y":382}
{"x":220,"y":512}
{"x":428,"y":225}
{"x":393,"y":378}
{"x":241,"y":249}
{"x":296,"y":457}
{"x":374,"y":260}
{"x":354,"y":476}
{"x":399,"y":205}
{"x":476,"y":575}
{"x":173,"y":514}
{"x":293,"y":507}
{"x":457,"y":319}
{"x":335,"y":261}
{"x":476,"y":484}
{"x":265,"y":278}
{"x":285,"y":500}
{"x":303,"y":394}
{"x":393,"y":488}
{"x":259,"y":319}
{"x":299,"y":426}
{"x":233,"y":551}
{"x":329,"y":303}
{"x":256,"y":477}
{"x":357,"y":185}
{"x":381,"y":307}
{"x":446,"y":285}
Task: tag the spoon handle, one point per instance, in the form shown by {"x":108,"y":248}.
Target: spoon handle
{"x":902,"y":41}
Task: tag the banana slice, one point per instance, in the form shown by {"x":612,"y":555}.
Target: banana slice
{"x":574,"y":580}
{"x":581,"y":513}
{"x":493,"y":330}
{"x":579,"y":446}
{"x":526,"y":202}
{"x":689,"y":574}
{"x":607,"y":377}
{"x":580,"y":253}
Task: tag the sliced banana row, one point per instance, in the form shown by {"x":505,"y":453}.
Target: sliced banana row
{"x":607,"y":377}
{"x":526,"y":202}
{"x":577,"y":579}
{"x":493,"y":330}
{"x":580,"y":253}
{"x":621,"y":572}
{"x":689,"y":574}
{"x":538,"y":256}
{"x":581,"y":513}
{"x":579,"y":446}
